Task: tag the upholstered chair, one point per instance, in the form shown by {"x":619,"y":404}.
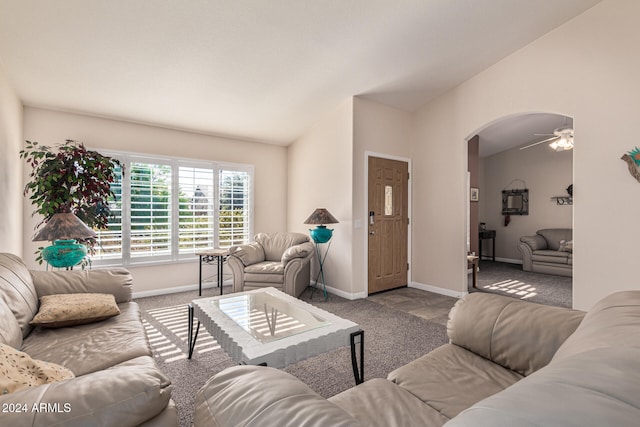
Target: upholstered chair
{"x":280,"y":260}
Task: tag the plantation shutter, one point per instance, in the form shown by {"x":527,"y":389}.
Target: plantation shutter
{"x":234,"y":208}
{"x":150,"y":209}
{"x":196,"y":209}
{"x":167,"y":209}
{"x":109,"y":241}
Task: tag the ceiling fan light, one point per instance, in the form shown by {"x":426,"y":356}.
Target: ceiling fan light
{"x":562,"y":144}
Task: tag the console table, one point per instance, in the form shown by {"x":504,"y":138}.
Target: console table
{"x":485,"y":235}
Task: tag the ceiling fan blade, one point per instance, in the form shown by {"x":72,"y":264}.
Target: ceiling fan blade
{"x":539,"y":142}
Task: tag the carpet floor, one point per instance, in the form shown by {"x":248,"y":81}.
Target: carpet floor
{"x":509,"y":279}
{"x":392,"y":339}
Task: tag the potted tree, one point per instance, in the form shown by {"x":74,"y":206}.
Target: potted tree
{"x":67,"y":182}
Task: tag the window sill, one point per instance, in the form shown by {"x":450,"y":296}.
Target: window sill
{"x":146,"y":263}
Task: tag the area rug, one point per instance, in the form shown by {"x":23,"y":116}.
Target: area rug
{"x":392,"y":339}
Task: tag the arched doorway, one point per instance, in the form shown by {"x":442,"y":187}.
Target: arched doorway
{"x":511,"y":154}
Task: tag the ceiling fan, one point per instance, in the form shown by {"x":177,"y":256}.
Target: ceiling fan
{"x":561,"y":140}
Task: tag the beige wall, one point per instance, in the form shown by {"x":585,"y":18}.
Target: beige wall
{"x":270,"y":179}
{"x":319,"y":170}
{"x":546,"y":173}
{"x":595,"y":81}
{"x":381,"y":131}
{"x":10,"y":168}
{"x":327,"y":169}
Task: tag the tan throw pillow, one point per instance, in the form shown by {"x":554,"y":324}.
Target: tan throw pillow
{"x":18,"y":370}
{"x":57,"y":311}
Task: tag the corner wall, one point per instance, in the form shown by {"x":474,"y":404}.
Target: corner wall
{"x":319,"y":172}
{"x":10,"y":168}
{"x":270,"y":179}
{"x":379,"y":130}
{"x":596,"y":82}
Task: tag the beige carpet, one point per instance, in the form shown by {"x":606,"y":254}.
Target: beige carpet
{"x":392,"y":339}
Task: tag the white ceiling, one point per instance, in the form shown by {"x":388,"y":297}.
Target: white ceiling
{"x":519,"y":130}
{"x":256,"y":69}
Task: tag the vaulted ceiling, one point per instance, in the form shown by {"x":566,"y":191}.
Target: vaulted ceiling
{"x":255,"y":69}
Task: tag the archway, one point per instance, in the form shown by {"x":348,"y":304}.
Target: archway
{"x":504,"y":156}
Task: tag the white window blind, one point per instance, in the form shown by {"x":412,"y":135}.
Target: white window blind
{"x":196,"y":213}
{"x":109,"y":241}
{"x":234,"y":208}
{"x":167,"y":209}
{"x":150,"y":209}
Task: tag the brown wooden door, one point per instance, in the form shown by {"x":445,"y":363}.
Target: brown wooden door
{"x":388,"y":223}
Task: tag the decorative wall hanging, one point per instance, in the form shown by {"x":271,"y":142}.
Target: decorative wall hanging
{"x":515,"y":202}
{"x":632,"y":158}
{"x":564,"y":200}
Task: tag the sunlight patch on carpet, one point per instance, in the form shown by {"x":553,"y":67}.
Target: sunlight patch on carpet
{"x":513,"y":287}
{"x":175,"y":320}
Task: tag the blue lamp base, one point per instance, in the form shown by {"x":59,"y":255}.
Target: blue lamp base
{"x":64,"y":253}
{"x":321,"y":234}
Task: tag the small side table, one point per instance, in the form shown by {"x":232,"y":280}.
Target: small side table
{"x":474,"y":260}
{"x":208,"y":256}
{"x":484,"y":235}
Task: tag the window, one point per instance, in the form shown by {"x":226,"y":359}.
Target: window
{"x":167,"y":209}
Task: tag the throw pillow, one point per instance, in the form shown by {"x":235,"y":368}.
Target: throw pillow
{"x":57,"y":311}
{"x":18,"y":371}
{"x":566,"y":246}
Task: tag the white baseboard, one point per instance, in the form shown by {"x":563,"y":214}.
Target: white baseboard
{"x":509,"y":260}
{"x":331,"y":290}
{"x":365,"y":294}
{"x":175,"y":290}
{"x":343,"y":294}
{"x":208,"y":285}
{"x":437,"y":290}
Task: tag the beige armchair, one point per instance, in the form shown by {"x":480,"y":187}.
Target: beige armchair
{"x":281,"y":260}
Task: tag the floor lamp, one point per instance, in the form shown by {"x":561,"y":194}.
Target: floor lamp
{"x":321,"y":235}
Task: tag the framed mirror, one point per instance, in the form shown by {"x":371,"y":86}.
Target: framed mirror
{"x":515,"y":202}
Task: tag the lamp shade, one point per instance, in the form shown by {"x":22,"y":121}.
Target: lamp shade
{"x":64,"y":226}
{"x":321,"y":216}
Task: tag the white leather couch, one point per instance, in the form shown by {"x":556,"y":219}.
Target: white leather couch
{"x":117,"y":382}
{"x":509,"y":363}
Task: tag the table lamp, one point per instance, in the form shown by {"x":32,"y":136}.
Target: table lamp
{"x":321,"y":216}
{"x":63,"y":229}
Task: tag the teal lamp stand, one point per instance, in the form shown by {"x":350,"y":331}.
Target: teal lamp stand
{"x":321,"y":235}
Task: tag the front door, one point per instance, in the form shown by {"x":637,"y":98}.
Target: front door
{"x":388,"y":223}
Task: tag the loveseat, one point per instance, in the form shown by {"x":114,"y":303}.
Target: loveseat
{"x":549,"y":251}
{"x":509,"y":363}
{"x":279,"y":260}
{"x":111,"y":378}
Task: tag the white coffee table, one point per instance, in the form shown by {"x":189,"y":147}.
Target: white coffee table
{"x":268,"y":327}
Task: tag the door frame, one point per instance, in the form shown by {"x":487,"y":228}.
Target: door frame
{"x":365,"y":214}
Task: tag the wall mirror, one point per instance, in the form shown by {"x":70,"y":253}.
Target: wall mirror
{"x":515,"y":202}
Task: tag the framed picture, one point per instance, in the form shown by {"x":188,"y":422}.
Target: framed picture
{"x":473,"y":196}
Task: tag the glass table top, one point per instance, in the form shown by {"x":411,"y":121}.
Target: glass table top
{"x":268,"y":318}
